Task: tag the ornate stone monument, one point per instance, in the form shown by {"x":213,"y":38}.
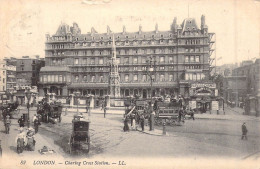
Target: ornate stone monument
{"x":114,"y":78}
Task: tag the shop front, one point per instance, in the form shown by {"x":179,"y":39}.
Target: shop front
{"x":203,"y":97}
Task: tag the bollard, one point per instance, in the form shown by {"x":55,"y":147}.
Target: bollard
{"x":164,"y":129}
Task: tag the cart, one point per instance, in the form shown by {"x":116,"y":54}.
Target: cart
{"x":80,"y":137}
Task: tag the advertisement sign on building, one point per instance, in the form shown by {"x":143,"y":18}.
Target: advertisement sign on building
{"x":215,"y":105}
{"x":203,"y":85}
{"x":192,"y":104}
{"x":216,"y":92}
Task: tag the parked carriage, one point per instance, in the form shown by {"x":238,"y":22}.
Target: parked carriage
{"x":80,"y":137}
{"x":9,"y":108}
{"x":168,"y":112}
{"x":49,"y":112}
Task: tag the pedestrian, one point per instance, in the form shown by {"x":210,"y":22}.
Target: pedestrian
{"x":134,"y":125}
{"x":180,"y":114}
{"x":244,"y":131}
{"x":34,"y":118}
{"x":21,"y":121}
{"x":7,"y":124}
{"x":126,"y":127}
{"x":131,"y":118}
{"x":105,"y":111}
{"x":192,"y":114}
{"x":36,"y":123}
{"x":142,"y":122}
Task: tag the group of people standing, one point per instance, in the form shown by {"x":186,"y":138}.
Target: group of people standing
{"x":139,"y":119}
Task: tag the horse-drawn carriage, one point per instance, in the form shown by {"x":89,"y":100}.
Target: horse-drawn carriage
{"x":169,"y":112}
{"x":49,"y":112}
{"x":80,"y":137}
{"x":9,"y":109}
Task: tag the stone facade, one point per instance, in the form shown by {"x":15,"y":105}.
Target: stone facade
{"x":27,"y":70}
{"x":79,"y":62}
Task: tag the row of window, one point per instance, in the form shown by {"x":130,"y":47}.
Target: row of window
{"x":126,"y":37}
{"x":190,"y":50}
{"x":58,"y":62}
{"x":135,"y":68}
{"x":192,"y":59}
{"x":194,"y":76}
{"x":54,"y":78}
{"x":123,"y":52}
{"x":125,"y":60}
{"x":126,"y":78}
{"x":192,"y":41}
{"x":144,"y":78}
{"x":109,"y":43}
{"x":135,"y":60}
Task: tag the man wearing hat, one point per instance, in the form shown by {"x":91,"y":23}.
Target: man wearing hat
{"x":21,"y":122}
{"x":7,"y":124}
{"x":244,"y":131}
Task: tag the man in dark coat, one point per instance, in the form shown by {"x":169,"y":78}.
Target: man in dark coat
{"x":142,"y":122}
{"x":244,"y":131}
{"x":126,"y":127}
{"x":21,"y":122}
{"x":105,"y":112}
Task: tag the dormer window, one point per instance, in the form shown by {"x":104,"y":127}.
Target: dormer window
{"x":152,"y":36}
{"x":144,"y":36}
{"x":126,"y":36}
{"x":93,"y":38}
{"x":77,"y":39}
{"x":190,"y":21}
{"x":101,"y":37}
{"x":161,"y":36}
{"x":135,"y":36}
{"x":170,"y":35}
{"x":118,"y":37}
{"x":110,"y":37}
{"x":85,"y":38}
{"x":60,"y":28}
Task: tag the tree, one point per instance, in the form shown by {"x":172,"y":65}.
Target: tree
{"x":218,"y":79}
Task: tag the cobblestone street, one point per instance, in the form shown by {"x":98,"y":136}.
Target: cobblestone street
{"x":203,"y":137}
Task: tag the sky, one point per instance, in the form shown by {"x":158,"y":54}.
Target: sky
{"x":24,"y":23}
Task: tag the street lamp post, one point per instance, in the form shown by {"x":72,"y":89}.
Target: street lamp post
{"x":151,"y":67}
{"x":77,"y":94}
{"x":28,"y":96}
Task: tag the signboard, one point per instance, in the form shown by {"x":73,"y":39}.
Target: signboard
{"x":119,"y":103}
{"x":203,"y":85}
{"x":214,"y":105}
{"x":216,"y":92}
{"x":192,"y":104}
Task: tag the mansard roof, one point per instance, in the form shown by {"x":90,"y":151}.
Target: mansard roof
{"x":189,"y":24}
{"x":63,"y":29}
